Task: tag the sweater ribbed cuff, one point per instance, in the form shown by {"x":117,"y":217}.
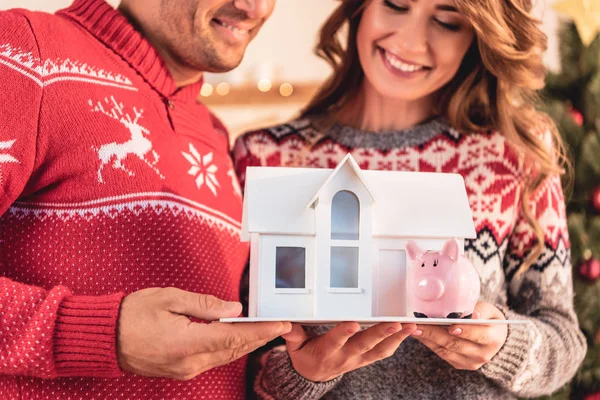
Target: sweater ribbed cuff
{"x":85,"y":336}
{"x":279,"y":380}
{"x":505,"y":366}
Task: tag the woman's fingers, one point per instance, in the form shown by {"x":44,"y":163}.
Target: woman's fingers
{"x":338,"y":336}
{"x":457,"y":360}
{"x":442,"y":338}
{"x":387,"y":347}
{"x":295,"y":338}
{"x":366,"y":340}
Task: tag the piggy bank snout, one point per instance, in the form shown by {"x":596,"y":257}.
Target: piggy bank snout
{"x":429,"y":288}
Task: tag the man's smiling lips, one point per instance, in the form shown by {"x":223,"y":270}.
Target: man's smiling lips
{"x":234,"y":29}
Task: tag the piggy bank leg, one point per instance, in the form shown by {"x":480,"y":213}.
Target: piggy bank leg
{"x":454,"y":315}
{"x":468,"y":316}
{"x":420,"y":315}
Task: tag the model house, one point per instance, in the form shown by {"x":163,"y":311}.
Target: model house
{"x":330,"y":244}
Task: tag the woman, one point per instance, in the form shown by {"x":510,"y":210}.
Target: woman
{"x":441,"y":86}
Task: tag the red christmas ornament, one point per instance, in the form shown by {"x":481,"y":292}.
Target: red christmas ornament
{"x":590,"y":269}
{"x":577,"y":117}
{"x":593,"y":396}
{"x":596,"y":199}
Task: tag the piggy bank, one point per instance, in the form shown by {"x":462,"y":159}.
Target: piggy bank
{"x":442,"y":284}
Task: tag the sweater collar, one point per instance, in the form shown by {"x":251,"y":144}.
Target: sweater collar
{"x":116,"y":32}
{"x":394,"y":139}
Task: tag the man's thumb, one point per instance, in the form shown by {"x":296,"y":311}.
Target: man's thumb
{"x":204,"y":307}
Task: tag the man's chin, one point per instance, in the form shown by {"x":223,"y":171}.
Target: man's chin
{"x":221,"y":65}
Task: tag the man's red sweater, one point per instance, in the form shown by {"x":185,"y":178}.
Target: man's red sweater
{"x":111,"y":180}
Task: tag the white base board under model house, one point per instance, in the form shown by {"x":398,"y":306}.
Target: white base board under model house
{"x":329,"y":245}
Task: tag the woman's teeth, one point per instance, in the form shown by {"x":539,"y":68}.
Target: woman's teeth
{"x":402,"y":66}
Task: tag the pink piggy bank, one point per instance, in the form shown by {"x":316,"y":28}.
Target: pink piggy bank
{"x":442,"y":284}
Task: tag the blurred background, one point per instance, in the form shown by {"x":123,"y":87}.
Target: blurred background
{"x":280,"y":73}
{"x":280,"y":59}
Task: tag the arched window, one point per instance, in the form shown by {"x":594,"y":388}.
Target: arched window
{"x":345,"y":222}
{"x":345,"y":216}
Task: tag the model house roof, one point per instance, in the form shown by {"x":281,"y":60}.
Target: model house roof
{"x":278,"y":200}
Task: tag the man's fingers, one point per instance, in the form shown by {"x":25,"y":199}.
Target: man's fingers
{"x":366,"y":340}
{"x":388,"y":346}
{"x":200,"y":306}
{"x":219,"y":336}
{"x":196,"y":364}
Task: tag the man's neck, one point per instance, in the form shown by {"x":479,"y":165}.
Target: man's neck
{"x":181,"y":74}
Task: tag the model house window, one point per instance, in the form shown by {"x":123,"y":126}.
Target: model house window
{"x":345,"y":216}
{"x":290,"y":268}
{"x":345,"y":221}
{"x":344,"y":267}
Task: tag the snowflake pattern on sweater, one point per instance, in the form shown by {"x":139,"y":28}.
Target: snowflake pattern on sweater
{"x":493,"y":174}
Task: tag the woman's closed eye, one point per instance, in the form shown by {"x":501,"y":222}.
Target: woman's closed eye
{"x":390,"y":4}
{"x":447,"y":25}
{"x":403,"y":9}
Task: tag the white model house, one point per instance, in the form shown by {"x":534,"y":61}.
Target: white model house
{"x":329,"y":244}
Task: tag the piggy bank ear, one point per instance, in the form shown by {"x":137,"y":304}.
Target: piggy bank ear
{"x":451,"y":249}
{"x":413,"y":250}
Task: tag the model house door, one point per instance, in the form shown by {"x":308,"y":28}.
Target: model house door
{"x":391,"y":283}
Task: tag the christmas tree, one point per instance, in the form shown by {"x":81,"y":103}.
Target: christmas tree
{"x":572,"y":99}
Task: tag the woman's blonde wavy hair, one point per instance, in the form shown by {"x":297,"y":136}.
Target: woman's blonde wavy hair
{"x":494,"y":89}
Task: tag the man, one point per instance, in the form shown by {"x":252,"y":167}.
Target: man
{"x":119,"y":208}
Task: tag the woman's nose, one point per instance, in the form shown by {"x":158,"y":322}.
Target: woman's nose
{"x":412,"y":37}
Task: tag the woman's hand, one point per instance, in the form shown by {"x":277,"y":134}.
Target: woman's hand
{"x":465,"y":346}
{"x":343,"y":348}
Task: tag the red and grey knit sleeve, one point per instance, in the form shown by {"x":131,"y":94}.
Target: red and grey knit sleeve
{"x":278,"y":380}
{"x":243,"y":157}
{"x":44,"y":333}
{"x":538,"y":359}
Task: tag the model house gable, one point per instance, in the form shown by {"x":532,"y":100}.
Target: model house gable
{"x":351,"y":168}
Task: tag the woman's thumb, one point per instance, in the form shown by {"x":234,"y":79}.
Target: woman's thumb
{"x":295,"y":338}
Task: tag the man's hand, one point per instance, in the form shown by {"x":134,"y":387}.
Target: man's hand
{"x":465,"y":346}
{"x":343,"y":348}
{"x":156,"y":337}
